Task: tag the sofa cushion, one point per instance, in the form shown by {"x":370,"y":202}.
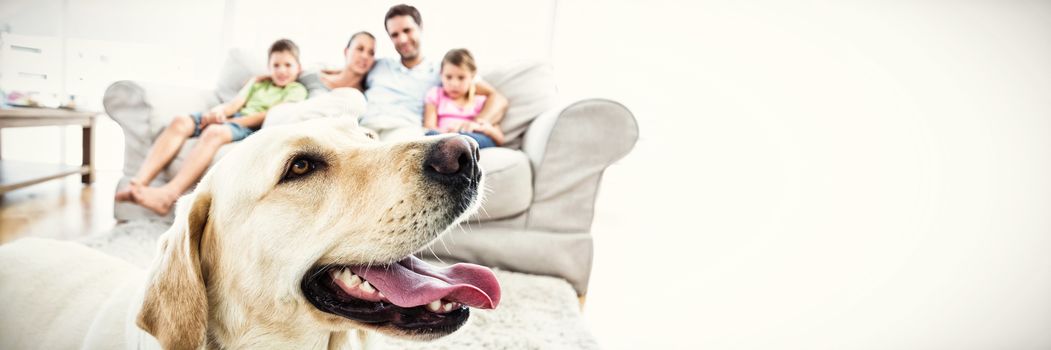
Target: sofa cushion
{"x":508,"y":183}
{"x":530,"y":90}
{"x":240,"y":65}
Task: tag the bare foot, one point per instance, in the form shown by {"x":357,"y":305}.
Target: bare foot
{"x":156,"y":199}
{"x":124,"y":194}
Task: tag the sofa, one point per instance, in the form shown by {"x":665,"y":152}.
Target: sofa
{"x":541,"y":185}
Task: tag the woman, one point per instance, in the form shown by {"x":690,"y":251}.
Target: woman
{"x":360,"y":54}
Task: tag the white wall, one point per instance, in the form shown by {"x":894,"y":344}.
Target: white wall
{"x":126,"y":39}
{"x":821,"y":174}
{"x":495,"y":32}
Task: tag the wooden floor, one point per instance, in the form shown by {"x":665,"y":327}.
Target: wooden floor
{"x":62,"y":209}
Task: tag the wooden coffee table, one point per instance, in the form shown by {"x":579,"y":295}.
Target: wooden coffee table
{"x":15,"y":174}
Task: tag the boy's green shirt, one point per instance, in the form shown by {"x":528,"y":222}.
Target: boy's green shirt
{"x":264,"y":94}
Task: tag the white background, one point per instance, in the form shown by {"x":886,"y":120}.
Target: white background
{"x":810,"y":174}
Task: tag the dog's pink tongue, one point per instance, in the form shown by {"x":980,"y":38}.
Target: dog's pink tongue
{"x":413,"y":282}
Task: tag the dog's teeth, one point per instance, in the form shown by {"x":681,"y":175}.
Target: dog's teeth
{"x":380,"y":294}
{"x":353,"y":281}
{"x":448,"y":307}
{"x":349,"y":279}
{"x":367,"y":287}
{"x":434,"y":306}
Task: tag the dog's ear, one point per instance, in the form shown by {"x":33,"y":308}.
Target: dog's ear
{"x":175,"y":306}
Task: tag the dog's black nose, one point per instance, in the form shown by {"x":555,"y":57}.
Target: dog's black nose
{"x":453,"y":156}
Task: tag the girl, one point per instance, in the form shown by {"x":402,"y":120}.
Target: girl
{"x":453,"y":106}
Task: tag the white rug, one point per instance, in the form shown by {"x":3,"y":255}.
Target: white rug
{"x":535,"y":312}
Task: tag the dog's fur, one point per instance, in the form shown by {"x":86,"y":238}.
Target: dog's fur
{"x":228,"y":271}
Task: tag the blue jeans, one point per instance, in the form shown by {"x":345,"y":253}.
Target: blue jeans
{"x":236,"y":130}
{"x":483,"y":141}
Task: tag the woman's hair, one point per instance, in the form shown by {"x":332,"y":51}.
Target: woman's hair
{"x":463,"y":59}
{"x":283,"y":45}
{"x":356,"y":35}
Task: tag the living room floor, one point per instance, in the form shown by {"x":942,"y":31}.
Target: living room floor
{"x":61,"y":209}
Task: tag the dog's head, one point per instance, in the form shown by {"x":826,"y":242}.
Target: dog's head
{"x":315,"y":224}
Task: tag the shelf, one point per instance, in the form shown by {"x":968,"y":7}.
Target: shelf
{"x":17,"y":174}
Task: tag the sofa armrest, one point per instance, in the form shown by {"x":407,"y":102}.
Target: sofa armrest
{"x":569,"y":148}
{"x":143,"y":109}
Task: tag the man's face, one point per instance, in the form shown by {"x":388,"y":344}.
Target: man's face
{"x":405,"y":35}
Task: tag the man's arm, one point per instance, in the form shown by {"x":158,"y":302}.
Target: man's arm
{"x":495,"y":104}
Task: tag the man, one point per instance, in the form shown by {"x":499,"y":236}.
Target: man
{"x":396,"y":87}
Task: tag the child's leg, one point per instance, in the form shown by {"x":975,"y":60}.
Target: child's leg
{"x":160,"y":199}
{"x":483,"y":141}
{"x":161,"y":153}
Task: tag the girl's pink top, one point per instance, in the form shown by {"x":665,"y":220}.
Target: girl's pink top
{"x":450,"y":114}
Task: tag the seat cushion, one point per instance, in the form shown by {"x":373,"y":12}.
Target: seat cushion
{"x":508,"y":183}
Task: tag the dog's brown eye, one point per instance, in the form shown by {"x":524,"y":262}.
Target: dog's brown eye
{"x":300,"y":167}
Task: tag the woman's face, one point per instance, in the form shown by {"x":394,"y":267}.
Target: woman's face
{"x":361,"y":54}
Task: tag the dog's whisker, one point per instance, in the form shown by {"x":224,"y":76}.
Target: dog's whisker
{"x":435,"y":255}
{"x":321,"y":270}
{"x":452,"y":237}
{"x":442,"y":240}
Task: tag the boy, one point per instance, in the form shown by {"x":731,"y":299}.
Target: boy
{"x":223,"y":124}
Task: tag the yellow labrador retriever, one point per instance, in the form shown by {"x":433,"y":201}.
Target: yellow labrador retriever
{"x":299,"y":235}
